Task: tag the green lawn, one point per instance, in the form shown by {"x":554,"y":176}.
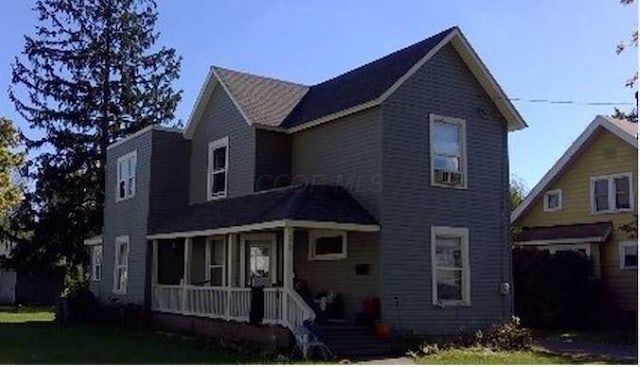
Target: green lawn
{"x":28,"y":336}
{"x":485,"y":356}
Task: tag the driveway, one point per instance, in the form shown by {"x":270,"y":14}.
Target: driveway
{"x":622,"y":353}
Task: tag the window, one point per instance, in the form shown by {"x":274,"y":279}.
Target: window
{"x":96,"y":263}
{"x":448,"y":151}
{"x":450,"y":266}
{"x":261,"y":248}
{"x":218,"y":167}
{"x":553,"y":200}
{"x":610,"y":194}
{"x":327,"y":245}
{"x":126,"y":185}
{"x":628,"y":251}
{"x":120,"y":265}
{"x":214,"y":257}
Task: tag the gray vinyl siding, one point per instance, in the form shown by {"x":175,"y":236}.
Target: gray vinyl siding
{"x":340,"y":276}
{"x":273,"y":160}
{"x":344,"y":152}
{"x":410,"y":205}
{"x":127,"y":218}
{"x":220,"y":119}
{"x":168,"y":194}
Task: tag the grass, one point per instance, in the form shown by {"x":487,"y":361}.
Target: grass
{"x":486,"y":356}
{"x":28,"y":336}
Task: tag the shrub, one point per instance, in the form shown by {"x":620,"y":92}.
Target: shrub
{"x":557,"y":291}
{"x":507,"y":335}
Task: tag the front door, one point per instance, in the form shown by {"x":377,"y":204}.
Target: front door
{"x":261,"y":256}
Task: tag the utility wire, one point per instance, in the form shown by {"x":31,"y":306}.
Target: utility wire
{"x":571,"y":102}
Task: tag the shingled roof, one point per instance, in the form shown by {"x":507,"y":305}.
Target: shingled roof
{"x":360,"y":85}
{"x":290,"y":106}
{"x":265,"y":101}
{"x":317,"y":203}
{"x":588,"y":232}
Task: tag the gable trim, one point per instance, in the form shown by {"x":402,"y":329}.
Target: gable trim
{"x":206,"y":91}
{"x":567,"y":157}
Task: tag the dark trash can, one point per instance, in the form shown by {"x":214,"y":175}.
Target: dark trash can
{"x":256,"y":314}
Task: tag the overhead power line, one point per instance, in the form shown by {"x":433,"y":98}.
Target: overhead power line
{"x":550,"y":101}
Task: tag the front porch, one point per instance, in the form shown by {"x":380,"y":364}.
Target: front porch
{"x":224,"y":275}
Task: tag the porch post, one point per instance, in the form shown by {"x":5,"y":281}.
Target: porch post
{"x":154,"y":263}
{"x":287,"y":268}
{"x":243,"y":270}
{"x":154,"y":274}
{"x":186,"y":274}
{"x":230,"y":243}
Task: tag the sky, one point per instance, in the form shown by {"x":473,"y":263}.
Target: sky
{"x":545,"y":49}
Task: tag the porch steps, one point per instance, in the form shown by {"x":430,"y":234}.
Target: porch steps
{"x":356,"y":342}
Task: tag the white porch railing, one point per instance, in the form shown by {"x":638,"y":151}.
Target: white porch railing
{"x":230,"y":303}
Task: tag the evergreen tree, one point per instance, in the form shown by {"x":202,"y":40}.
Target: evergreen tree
{"x":90,"y":74}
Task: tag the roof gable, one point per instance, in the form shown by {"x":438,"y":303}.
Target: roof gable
{"x":625,"y":130}
{"x":291,"y":107}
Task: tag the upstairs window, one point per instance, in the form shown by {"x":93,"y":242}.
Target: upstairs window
{"x":553,"y":200}
{"x":126,"y":184}
{"x":450,"y":276}
{"x":218,"y":168}
{"x":628,"y":251}
{"x":610,"y":194}
{"x":448,"y":151}
{"x":96,"y":263}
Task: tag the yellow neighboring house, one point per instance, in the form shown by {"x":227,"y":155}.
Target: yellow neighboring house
{"x":582,"y":202}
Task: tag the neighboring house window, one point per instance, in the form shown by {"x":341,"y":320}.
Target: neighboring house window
{"x":610,"y":194}
{"x":448,"y":151}
{"x":628,"y":251}
{"x":126,"y":188}
{"x":120,"y":265}
{"x":214,"y":258}
{"x":218,"y":168}
{"x":327,"y":245}
{"x":553,"y":200}
{"x":450,"y":266}
{"x":96,"y":263}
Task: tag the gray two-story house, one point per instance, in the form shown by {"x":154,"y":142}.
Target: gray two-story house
{"x":385,"y":185}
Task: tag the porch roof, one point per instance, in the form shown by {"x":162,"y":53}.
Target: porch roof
{"x":572,"y":233}
{"x":305,"y":203}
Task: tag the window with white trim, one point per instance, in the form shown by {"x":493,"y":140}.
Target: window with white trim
{"x":628,"y":251}
{"x":327,"y":245}
{"x":448,"y":151}
{"x":553,"y":200}
{"x":96,"y":263}
{"x":126,"y":176}
{"x":121,"y":263}
{"x":218,"y":168}
{"x":450,"y":274}
{"x":613,"y":193}
{"x":215,"y":260}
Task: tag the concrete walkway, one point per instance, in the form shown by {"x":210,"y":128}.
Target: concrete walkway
{"x":622,"y":353}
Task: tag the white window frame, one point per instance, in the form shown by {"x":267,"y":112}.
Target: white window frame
{"x":116,"y":284}
{"x":207,"y":256}
{"x":96,"y":268}
{"x":621,"y":247}
{"x":125,"y":158}
{"x":611,"y":193}
{"x":223,"y":142}
{"x":273,"y":253}
{"x":463,"y":234}
{"x":433,"y":118}
{"x":314,"y":235}
{"x":546,"y":201}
